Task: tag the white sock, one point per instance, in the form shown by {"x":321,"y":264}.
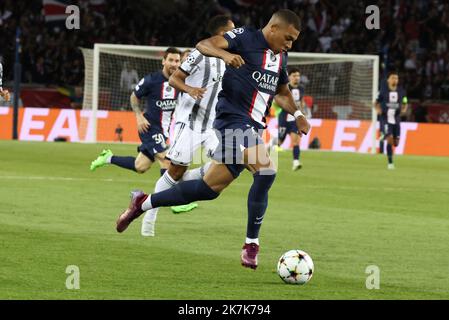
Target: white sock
{"x":249,"y":240}
{"x":147,"y":205}
{"x":165,"y":182}
{"x":197,"y":173}
{"x":108,"y":159}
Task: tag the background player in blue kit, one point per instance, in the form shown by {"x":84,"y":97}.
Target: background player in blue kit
{"x":256,"y":72}
{"x":153,"y":125}
{"x":286,"y":121}
{"x":390,"y":105}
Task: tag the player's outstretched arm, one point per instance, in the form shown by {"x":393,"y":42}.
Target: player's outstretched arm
{"x":285,"y":100}
{"x":216,"y":47}
{"x":178,"y":81}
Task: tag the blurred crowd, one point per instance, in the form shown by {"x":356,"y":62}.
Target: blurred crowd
{"x":413,"y":36}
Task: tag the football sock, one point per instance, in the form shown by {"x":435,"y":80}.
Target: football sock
{"x":390,"y":153}
{"x":197,"y":173}
{"x":165,"y":182}
{"x":182,"y":193}
{"x":249,"y":240}
{"x":258,"y":201}
{"x":296,"y":152}
{"x":124,"y":162}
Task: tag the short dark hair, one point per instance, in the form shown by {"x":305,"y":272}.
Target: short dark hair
{"x":171,"y":50}
{"x":216,"y":23}
{"x":293,"y":70}
{"x":289,"y":17}
{"x":392,"y":72}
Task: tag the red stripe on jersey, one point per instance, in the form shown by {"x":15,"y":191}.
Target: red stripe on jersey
{"x":264,"y":58}
{"x":160,"y":119}
{"x":251,"y":107}
{"x":53,"y":9}
{"x":253,"y":100}
{"x":162,"y":90}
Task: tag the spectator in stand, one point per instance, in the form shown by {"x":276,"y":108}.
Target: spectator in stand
{"x":411,"y":31}
{"x":420,"y":113}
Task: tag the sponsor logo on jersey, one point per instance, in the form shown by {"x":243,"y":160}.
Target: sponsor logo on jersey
{"x":166,"y":105}
{"x":393,"y":100}
{"x":265,"y":81}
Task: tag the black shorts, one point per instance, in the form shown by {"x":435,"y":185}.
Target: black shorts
{"x":391,"y":129}
{"x":233,"y":138}
{"x":285,"y":127}
{"x":153,"y":142}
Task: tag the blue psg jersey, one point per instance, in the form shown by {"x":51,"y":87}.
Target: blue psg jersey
{"x":391,"y":102}
{"x":161,"y":98}
{"x":247,"y":92}
{"x":298,"y":94}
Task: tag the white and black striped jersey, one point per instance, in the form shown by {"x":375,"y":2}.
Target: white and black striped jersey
{"x":203,"y":72}
{"x":1,"y":76}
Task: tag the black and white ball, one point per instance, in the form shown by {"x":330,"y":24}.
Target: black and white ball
{"x":295,"y":267}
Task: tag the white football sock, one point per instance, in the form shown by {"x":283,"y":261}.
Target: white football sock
{"x":249,"y":240}
{"x":108,"y":159}
{"x":197,"y":173}
{"x":165,"y":182}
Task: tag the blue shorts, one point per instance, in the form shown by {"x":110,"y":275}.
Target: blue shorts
{"x":153,"y":142}
{"x":233,"y":137}
{"x":285,"y":127}
{"x":391,"y":129}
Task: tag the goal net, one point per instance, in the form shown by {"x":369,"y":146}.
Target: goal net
{"x":337,"y":86}
{"x":111,"y":74}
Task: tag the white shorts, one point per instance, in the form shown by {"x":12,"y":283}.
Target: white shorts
{"x":186,"y":142}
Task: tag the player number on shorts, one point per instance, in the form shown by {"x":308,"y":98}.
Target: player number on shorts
{"x":158,"y":138}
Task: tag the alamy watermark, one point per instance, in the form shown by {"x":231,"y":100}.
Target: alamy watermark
{"x":372,"y":22}
{"x":231,"y":146}
{"x":72,"y":282}
{"x":73,"y":20}
{"x":373,"y":279}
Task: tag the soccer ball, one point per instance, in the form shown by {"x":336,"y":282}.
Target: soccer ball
{"x":295,"y":267}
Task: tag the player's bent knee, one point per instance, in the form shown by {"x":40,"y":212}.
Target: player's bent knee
{"x":176,"y":171}
{"x":141,"y":168}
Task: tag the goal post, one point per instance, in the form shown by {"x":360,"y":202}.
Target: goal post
{"x":111,"y":73}
{"x":341,"y":86}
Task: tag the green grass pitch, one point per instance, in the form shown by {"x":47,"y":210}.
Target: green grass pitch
{"x":346,"y":210}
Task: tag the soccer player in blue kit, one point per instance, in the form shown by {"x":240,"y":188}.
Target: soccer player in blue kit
{"x":256,"y":73}
{"x":286,"y":121}
{"x":153,"y":125}
{"x":390,"y":106}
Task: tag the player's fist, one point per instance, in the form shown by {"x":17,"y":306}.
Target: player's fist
{"x":5,"y":95}
{"x":142,"y":123}
{"x":196,"y":93}
{"x":234,"y":60}
{"x":303,"y":125}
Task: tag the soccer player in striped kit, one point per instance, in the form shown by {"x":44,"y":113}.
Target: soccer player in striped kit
{"x":3,"y":92}
{"x":199,"y":78}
